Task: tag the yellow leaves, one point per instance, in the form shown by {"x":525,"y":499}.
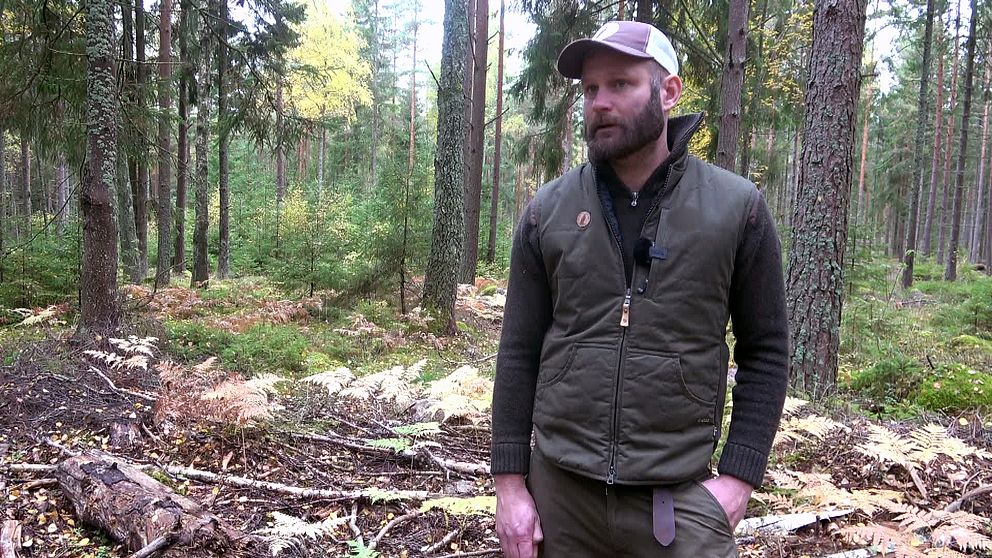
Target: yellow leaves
{"x":329,"y":77}
{"x":478,"y":505}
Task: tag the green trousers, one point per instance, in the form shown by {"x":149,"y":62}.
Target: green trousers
{"x":583,"y":517}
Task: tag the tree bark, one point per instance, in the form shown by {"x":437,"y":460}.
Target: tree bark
{"x":978,"y":227}
{"x":125,"y":220}
{"x":935,"y":162}
{"x":376,"y":102}
{"x":949,"y":145}
{"x":497,"y":141}
{"x":24,"y":230}
{"x":139,"y":184}
{"x":3,"y":197}
{"x":477,"y":146}
{"x":644,"y":12}
{"x":816,"y":260}
{"x":731,"y":84}
{"x":201,"y":264}
{"x":62,"y":195}
{"x":99,"y":308}
{"x":164,"y":146}
{"x":223,"y":148}
{"x":951,"y":272}
{"x":409,"y":166}
{"x":135,"y":509}
{"x":186,"y":26}
{"x":921,"y":127}
{"x":859,"y":210}
{"x":440,"y":281}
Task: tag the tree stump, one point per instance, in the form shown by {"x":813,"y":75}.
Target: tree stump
{"x":137,"y":510}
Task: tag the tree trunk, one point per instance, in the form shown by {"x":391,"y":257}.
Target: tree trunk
{"x":978,"y":227}
{"x":859,"y":210}
{"x":182,"y":163}
{"x":467,"y":81}
{"x":62,"y":195}
{"x":409,"y":166}
{"x":497,"y":142}
{"x":201,"y":265}
{"x":24,"y":230}
{"x":125,"y":220}
{"x":376,"y":102}
{"x":816,"y":260}
{"x":323,"y":150}
{"x":135,"y":509}
{"x":477,"y":146}
{"x":164,"y":146}
{"x":938,"y":126}
{"x":951,"y":272}
{"x":280,"y":146}
{"x":99,"y":308}
{"x":731,"y":84}
{"x":139,"y":184}
{"x":644,"y":11}
{"x":440,"y":280}
{"x":3,"y":197}
{"x":948,"y":146}
{"x":921,"y":127}
{"x":223,"y":144}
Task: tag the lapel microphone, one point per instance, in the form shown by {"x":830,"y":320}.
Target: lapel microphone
{"x":645,"y":251}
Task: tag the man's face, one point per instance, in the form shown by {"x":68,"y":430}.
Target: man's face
{"x":622,"y":104}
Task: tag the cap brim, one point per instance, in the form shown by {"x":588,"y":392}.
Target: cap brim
{"x":572,"y":56}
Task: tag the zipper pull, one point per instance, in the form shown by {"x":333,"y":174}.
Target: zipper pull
{"x":633,"y":198}
{"x":612,"y":476}
{"x":625,"y":314}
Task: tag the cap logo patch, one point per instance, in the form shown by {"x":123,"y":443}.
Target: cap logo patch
{"x":582,"y":219}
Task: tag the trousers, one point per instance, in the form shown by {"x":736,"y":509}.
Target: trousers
{"x":583,"y":517}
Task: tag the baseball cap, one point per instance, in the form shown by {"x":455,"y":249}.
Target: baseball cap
{"x":633,"y":38}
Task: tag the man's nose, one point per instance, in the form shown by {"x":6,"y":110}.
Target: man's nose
{"x":600,"y":102}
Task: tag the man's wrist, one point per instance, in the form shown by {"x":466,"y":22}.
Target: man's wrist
{"x":510,"y":481}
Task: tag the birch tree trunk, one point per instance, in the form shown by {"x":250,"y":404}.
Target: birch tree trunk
{"x":99,"y":308}
{"x":951,"y":272}
{"x":816,"y":260}
{"x":921,"y":126}
{"x":731,"y":84}
{"x":497,"y":141}
{"x":164,"y":147}
{"x":440,"y":281}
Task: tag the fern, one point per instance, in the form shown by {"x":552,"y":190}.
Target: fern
{"x":135,"y":345}
{"x":398,"y":445}
{"x":884,"y":537}
{"x":419,"y":429}
{"x":377,"y":495}
{"x":801,"y":429}
{"x":31,"y":318}
{"x":359,"y":550}
{"x":932,"y":441}
{"x":332,"y":380}
{"x":291,"y":533}
{"x":886,"y":445}
{"x":478,"y":505}
{"x":461,"y":394}
{"x":793,"y":405}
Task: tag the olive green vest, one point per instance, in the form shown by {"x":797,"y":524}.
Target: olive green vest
{"x":632,"y":383}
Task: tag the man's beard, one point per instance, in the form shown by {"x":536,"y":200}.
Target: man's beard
{"x":645,"y":127}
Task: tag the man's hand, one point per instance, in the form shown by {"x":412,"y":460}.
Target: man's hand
{"x":733,"y":494}
{"x":517,"y":523}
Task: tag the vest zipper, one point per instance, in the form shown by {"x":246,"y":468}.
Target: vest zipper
{"x":633,"y":198}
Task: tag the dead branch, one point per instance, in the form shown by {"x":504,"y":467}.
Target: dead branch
{"x":10,"y":538}
{"x":974,"y":493}
{"x":353,"y":524}
{"x":441,"y":543}
{"x":473,"y":553}
{"x":919,"y":483}
{"x":474,"y":469}
{"x":27,"y":468}
{"x":40,"y":483}
{"x":297,"y":491}
{"x":396,"y":521}
{"x":156,"y":546}
{"x":119,"y":391}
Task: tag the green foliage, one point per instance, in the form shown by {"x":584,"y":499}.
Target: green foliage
{"x":972,"y":315}
{"x":396,"y":444}
{"x":888,"y":381}
{"x":194,"y":342}
{"x":42,"y":272}
{"x":478,"y":505}
{"x":359,"y":550}
{"x":267,"y":348}
{"x":955,"y":387}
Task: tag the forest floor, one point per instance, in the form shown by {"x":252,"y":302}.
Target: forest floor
{"x":373,"y":440}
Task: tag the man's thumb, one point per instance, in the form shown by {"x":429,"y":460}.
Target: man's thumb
{"x":538,"y":533}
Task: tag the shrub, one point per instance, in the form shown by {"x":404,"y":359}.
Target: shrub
{"x":955,"y":387}
{"x":888,"y":381}
{"x":266,"y":348}
{"x":192,"y":341}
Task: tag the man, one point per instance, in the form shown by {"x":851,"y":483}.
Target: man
{"x":624,"y":273}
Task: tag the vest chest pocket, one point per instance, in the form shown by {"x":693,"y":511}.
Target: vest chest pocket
{"x":655,"y":397}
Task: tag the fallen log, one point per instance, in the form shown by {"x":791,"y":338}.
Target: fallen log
{"x":136,"y":509}
{"x":10,"y":539}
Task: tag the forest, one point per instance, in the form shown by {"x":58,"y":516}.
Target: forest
{"x":254,"y":259}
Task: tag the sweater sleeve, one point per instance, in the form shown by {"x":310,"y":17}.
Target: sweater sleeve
{"x":526,"y":318}
{"x":760,"y":325}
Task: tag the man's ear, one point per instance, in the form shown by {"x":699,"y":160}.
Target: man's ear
{"x":671,"y":86}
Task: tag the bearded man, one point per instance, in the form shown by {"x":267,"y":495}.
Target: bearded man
{"x":624,"y":274}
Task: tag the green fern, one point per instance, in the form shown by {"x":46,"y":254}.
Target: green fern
{"x":396,"y":444}
{"x":359,"y":550}
{"x":376,"y":495}
{"x":419,"y":429}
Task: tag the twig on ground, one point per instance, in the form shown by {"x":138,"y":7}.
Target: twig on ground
{"x":956,"y":504}
{"x":486,"y":552}
{"x":474,"y":469}
{"x":27,"y":468}
{"x":352,"y":523}
{"x":150,"y":434}
{"x":39,"y":483}
{"x":156,"y":546}
{"x":465,"y":362}
{"x":385,"y":529}
{"x":58,"y":446}
{"x":441,"y":543}
{"x":118,"y":390}
{"x":919,"y":483}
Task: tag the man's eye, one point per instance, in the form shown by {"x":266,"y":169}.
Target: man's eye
{"x":622,"y":83}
